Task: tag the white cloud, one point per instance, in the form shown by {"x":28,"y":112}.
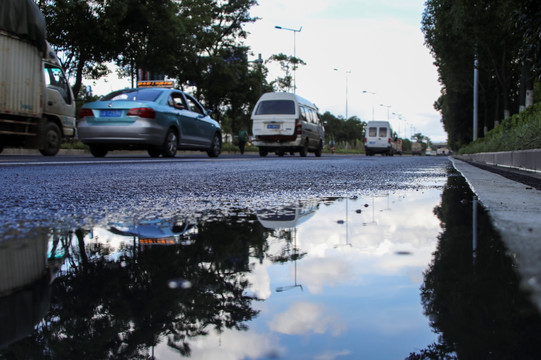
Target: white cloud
{"x":303,"y":318}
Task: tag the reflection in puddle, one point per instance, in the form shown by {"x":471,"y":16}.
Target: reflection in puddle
{"x":327,"y":278}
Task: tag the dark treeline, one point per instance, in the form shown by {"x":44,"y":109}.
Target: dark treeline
{"x":503,"y":36}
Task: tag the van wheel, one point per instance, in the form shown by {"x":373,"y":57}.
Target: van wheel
{"x":280,"y":153}
{"x":263,"y":151}
{"x":52,"y":141}
{"x":304,"y":149}
{"x":319,"y":150}
{"x":98,"y":150}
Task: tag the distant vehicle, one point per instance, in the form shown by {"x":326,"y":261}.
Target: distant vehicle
{"x":416,"y":148}
{"x":37,"y":107}
{"x":443,"y":151}
{"x":160,"y":120}
{"x":284,"y":122}
{"x":379,"y":139}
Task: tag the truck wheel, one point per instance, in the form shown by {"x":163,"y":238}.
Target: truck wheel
{"x":215,"y":147}
{"x":170,"y":144}
{"x":98,"y":150}
{"x":263,"y":151}
{"x":53,"y":140}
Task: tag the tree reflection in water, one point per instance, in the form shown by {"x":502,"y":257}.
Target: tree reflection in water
{"x":474,"y":300}
{"x":111,"y":304}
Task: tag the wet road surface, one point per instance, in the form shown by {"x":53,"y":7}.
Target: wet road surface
{"x":242,"y":257}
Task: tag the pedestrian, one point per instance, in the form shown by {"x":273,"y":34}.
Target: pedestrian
{"x":242,"y":138}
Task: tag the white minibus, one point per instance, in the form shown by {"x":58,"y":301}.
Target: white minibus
{"x":379,"y":138}
{"x":286,"y":123}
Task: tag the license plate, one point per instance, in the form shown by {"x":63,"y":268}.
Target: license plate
{"x":371,"y":142}
{"x":110,"y":113}
{"x":271,"y":126}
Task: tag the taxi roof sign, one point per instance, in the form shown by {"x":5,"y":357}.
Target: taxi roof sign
{"x":156,"y":83}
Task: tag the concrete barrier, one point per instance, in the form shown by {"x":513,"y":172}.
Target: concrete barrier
{"x":529,"y":160}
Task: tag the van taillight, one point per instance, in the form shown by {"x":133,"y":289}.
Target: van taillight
{"x":389,"y":140}
{"x":142,"y":113}
{"x":84,"y":113}
{"x":365,"y":140}
{"x":298,"y":127}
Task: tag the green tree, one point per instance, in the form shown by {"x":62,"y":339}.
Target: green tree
{"x":288,"y":64}
{"x":83,"y":34}
{"x":457,"y":33}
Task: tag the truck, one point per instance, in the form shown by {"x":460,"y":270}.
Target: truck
{"x":37,"y":106}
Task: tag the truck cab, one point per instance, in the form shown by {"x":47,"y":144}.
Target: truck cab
{"x":37,"y":107}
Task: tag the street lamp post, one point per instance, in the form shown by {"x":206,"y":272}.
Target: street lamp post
{"x":399,"y":116}
{"x":347,"y":72}
{"x":371,"y":93}
{"x":295,"y":31}
{"x":388,"y":107}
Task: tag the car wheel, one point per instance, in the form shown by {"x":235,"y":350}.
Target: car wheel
{"x":263,"y":152}
{"x":53,"y":140}
{"x":170,"y":144}
{"x":215,"y":147}
{"x":304,"y":149}
{"x":154,"y":152}
{"x":98,"y":150}
{"x":319,"y":150}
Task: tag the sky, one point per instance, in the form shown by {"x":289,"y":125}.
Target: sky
{"x":366,"y":58}
{"x":375,"y":46}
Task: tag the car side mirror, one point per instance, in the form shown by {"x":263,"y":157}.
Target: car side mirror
{"x":209,"y":112}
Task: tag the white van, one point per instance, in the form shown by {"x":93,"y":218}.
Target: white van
{"x":284,"y":122}
{"x":379,"y":138}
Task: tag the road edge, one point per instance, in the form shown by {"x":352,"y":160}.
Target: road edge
{"x":514,"y":209}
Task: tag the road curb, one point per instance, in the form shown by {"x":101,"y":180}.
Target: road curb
{"x":515,"y":211}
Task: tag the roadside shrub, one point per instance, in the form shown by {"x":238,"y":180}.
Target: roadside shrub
{"x":519,"y":132}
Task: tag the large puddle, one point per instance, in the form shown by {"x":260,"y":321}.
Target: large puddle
{"x":389,"y":275}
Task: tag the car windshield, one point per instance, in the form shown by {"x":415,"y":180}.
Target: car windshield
{"x":276,"y":107}
{"x":133,"y":95}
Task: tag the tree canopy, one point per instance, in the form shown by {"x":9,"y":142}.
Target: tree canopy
{"x":198,"y":43}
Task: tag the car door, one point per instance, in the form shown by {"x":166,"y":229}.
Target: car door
{"x":204,"y":128}
{"x":187,"y":123}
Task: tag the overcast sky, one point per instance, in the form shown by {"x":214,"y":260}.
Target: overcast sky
{"x":376,"y":46}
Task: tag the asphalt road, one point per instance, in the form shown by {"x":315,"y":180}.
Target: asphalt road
{"x":80,"y":188}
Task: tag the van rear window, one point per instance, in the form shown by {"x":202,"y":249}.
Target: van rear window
{"x":372,"y":131}
{"x":278,"y":107}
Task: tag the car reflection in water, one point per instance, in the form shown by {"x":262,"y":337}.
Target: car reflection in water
{"x":214,"y":283}
{"x":157,"y":232}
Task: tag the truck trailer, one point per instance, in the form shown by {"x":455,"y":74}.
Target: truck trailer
{"x":37,"y":107}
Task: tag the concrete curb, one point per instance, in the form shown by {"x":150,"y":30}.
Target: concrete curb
{"x":529,"y":160}
{"x":515,"y":211}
